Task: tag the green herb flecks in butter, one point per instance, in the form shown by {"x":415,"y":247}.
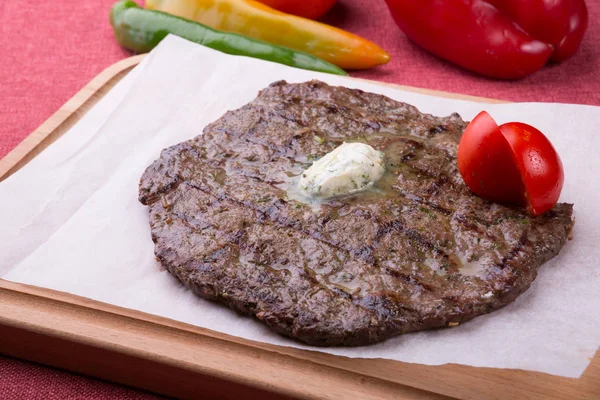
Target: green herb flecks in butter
{"x":350,"y":168}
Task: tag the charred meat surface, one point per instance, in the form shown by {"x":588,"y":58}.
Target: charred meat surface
{"x":418,"y":251}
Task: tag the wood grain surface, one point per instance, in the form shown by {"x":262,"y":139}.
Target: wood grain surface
{"x":185,"y":361}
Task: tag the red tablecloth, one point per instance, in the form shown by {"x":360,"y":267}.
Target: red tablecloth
{"x":49,"y":50}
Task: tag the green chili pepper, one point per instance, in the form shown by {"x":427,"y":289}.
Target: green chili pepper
{"x":141,"y":30}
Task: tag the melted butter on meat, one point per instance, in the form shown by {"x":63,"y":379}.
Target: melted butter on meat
{"x":350,"y":168}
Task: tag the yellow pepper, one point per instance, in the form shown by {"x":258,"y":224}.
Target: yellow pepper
{"x":256,"y":20}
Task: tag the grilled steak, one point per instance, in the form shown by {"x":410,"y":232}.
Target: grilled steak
{"x":418,"y":251}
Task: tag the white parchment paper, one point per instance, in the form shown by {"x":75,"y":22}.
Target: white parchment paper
{"x":71,"y":220}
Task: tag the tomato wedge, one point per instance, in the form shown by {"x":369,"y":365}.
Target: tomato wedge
{"x":540,"y":166}
{"x":486,"y":163}
{"x":512,"y":163}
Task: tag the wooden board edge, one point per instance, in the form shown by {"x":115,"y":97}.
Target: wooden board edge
{"x":449,"y":380}
{"x":65,"y":320}
{"x":63,"y":119}
{"x":141,"y":373}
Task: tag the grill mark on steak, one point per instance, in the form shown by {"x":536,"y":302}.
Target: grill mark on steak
{"x":513,"y":251}
{"x":421,"y":145}
{"x":362,"y":268}
{"x":411,"y":234}
{"x":357,"y":253}
{"x":364,"y":254}
{"x":150,"y":199}
{"x":406,"y":278}
{"x":265,"y":216}
{"x":461,"y":219}
{"x":274,"y":218}
{"x":426,"y":203}
{"x":236,"y":237}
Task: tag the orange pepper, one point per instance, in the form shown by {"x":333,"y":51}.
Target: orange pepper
{"x":256,"y":20}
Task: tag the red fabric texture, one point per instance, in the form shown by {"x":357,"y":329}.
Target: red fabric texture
{"x":50,"y":50}
{"x":24,"y":380}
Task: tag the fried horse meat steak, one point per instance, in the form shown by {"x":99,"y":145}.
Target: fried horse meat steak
{"x":415,"y":251}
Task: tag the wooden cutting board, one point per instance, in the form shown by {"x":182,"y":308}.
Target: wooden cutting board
{"x":181,"y":360}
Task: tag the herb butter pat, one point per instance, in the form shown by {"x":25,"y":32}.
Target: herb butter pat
{"x":349,"y":168}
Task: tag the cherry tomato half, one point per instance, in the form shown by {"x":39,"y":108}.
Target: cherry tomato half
{"x":512,"y":163}
{"x":540,"y":166}
{"x":486,"y":163}
{"x":312,"y":9}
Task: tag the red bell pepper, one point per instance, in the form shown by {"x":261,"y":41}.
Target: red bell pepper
{"x":506,"y":39}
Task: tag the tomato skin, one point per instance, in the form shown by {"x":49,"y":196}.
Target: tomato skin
{"x":539,"y":164}
{"x":486,"y":162}
{"x":512,"y":163}
{"x":312,"y":9}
